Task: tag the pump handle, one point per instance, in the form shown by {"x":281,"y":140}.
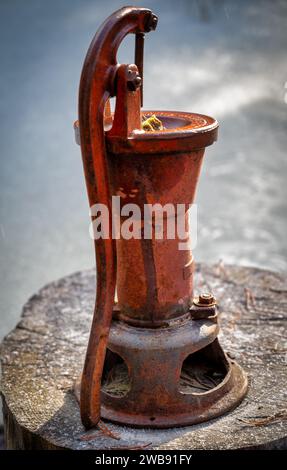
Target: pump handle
{"x":97,"y":84}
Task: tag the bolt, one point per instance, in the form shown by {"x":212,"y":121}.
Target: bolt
{"x":137,"y":81}
{"x":205,"y":300}
{"x":151,"y":23}
{"x":133,"y":80}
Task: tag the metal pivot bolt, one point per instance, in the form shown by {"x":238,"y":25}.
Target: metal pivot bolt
{"x":151,"y":23}
{"x":133,"y":79}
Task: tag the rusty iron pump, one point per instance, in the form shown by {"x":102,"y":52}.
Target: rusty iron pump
{"x":153,"y":357}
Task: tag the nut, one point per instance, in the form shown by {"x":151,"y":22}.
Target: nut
{"x":133,"y":79}
{"x":205,"y":300}
{"x":151,"y":23}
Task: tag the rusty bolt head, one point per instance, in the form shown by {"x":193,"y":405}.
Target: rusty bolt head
{"x":205,"y":300}
{"x":133,"y":79}
{"x":151,"y":23}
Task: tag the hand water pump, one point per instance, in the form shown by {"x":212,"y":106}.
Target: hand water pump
{"x":153,"y":357}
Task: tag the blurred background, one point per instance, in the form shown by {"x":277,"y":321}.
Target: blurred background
{"x":219,"y":57}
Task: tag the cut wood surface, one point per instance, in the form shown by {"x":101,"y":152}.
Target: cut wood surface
{"x":44,"y":354}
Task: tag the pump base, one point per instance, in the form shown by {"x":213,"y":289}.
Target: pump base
{"x":166,"y":377}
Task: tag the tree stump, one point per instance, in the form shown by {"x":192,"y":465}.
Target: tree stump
{"x":44,"y":354}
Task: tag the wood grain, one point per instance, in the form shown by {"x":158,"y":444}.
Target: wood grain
{"x":44,"y":354}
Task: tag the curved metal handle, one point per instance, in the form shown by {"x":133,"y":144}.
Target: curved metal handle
{"x":96,"y":86}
